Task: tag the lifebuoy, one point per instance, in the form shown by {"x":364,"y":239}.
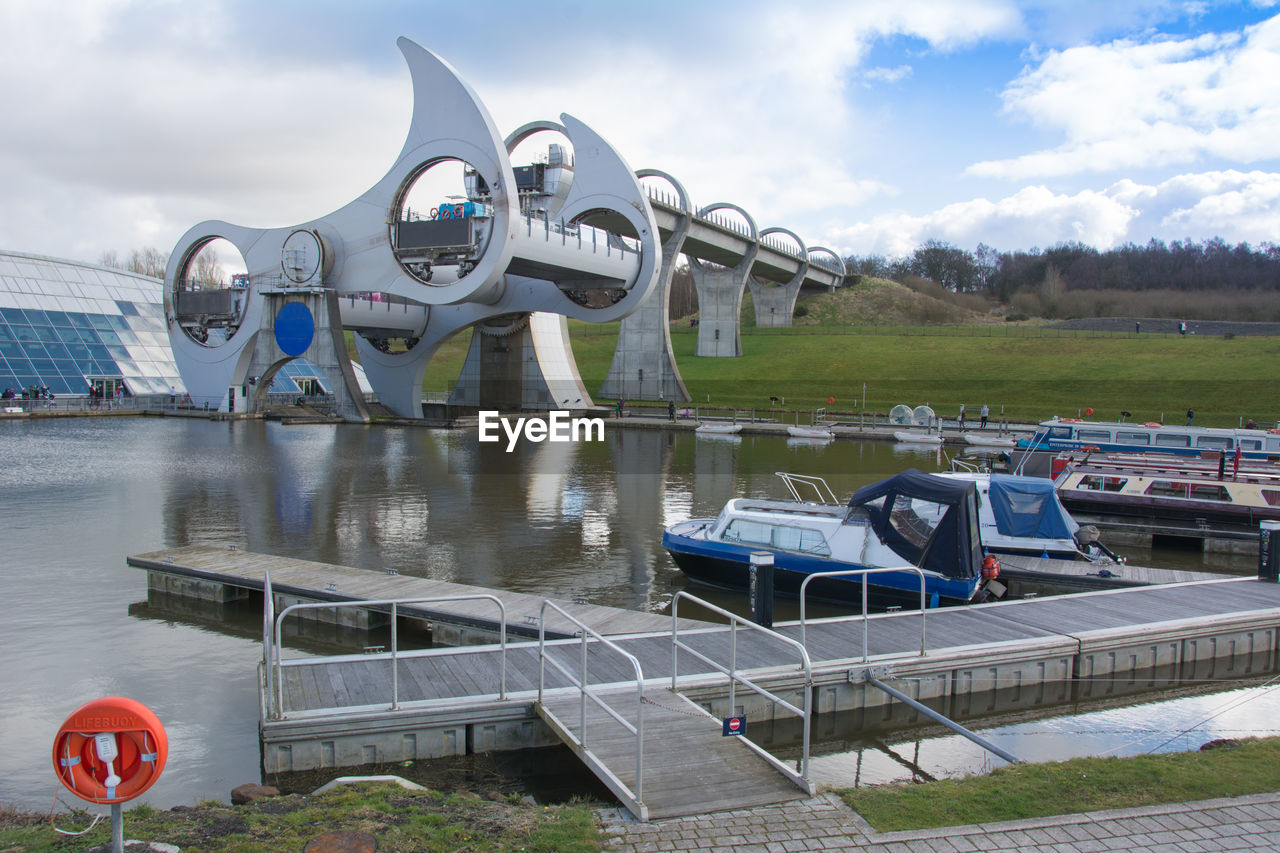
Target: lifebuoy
{"x":1153,"y":424}
{"x":110,"y":750}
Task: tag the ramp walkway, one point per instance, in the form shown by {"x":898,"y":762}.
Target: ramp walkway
{"x":687,"y":767}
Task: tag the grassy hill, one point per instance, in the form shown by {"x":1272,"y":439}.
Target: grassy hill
{"x":1023,"y":372}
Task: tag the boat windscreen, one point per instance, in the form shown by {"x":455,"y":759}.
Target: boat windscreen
{"x":1028,"y":506}
{"x":943,"y":539}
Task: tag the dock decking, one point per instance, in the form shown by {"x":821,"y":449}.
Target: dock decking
{"x":314,"y":581}
{"x":344,"y":710}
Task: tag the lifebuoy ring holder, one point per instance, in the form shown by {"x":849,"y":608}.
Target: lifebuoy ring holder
{"x":114,"y":739}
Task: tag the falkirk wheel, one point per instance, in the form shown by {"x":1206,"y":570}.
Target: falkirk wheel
{"x":513,"y":256}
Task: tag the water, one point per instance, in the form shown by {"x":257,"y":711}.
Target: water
{"x":77,"y":496}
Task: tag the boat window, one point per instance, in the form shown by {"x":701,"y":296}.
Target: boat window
{"x":1214,"y":442}
{"x":1250,"y":444}
{"x":1099,"y":483}
{"x":1059,"y":432}
{"x":1271,"y":496}
{"x":1167,"y":489}
{"x":800,"y":539}
{"x":1095,"y":435}
{"x":742,"y":530}
{"x":1133,"y":437}
{"x":915,"y":519}
{"x":782,"y":536}
{"x":1209,"y":492}
{"x":1164,"y":439}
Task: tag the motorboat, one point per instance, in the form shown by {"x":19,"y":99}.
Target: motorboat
{"x":909,"y":520}
{"x":810,"y":432}
{"x":1023,"y":516}
{"x":1223,"y":492}
{"x":718,"y":429}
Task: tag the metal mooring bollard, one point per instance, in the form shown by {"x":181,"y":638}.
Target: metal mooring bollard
{"x":762,"y":588}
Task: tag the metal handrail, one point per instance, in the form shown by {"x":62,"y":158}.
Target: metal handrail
{"x":806,"y":713}
{"x":584,"y":693}
{"x":818,"y":484}
{"x":804,"y":590}
{"x":394,"y":654}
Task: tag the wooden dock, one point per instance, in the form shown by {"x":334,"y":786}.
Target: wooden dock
{"x":454,"y":623}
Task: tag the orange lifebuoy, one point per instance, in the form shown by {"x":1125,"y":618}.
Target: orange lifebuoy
{"x":128,"y":728}
{"x":1152,"y":424}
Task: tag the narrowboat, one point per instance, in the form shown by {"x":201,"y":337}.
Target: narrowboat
{"x":1226,"y":491}
{"x":1062,"y":434}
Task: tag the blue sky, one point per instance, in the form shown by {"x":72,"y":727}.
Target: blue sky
{"x":867,"y":127}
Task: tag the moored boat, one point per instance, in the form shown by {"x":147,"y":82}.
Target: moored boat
{"x":718,"y":429}
{"x":1227,"y":491}
{"x":911,"y":519}
{"x":810,"y":432}
{"x":1062,"y":434}
{"x":980,"y":439}
{"x":1023,"y":516}
{"x":907,"y":436}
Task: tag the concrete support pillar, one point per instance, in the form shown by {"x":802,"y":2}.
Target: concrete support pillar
{"x":720,"y":295}
{"x":521,"y":363}
{"x":304,"y":323}
{"x":644,"y":365}
{"x":719,"y":308}
{"x":775,"y":302}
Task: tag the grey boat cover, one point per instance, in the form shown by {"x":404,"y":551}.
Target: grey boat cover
{"x":951,"y":547}
{"x":1029,"y":506}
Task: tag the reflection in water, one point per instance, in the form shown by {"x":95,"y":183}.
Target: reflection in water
{"x":80,"y":495}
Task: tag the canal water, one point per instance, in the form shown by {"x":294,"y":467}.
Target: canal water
{"x":77,"y":496}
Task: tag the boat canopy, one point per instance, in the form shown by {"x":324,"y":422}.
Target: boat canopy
{"x":1029,"y":506}
{"x":932,"y":522}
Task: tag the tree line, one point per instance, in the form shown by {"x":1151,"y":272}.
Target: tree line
{"x":1074,"y":279}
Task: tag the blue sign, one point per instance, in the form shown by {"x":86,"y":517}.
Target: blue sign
{"x":734,"y":726}
{"x":295,"y":328}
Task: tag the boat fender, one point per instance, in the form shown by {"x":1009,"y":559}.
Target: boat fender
{"x":990,"y":568}
{"x":1087,"y":535}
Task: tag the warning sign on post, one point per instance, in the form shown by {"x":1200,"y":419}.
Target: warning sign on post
{"x":734,"y":726}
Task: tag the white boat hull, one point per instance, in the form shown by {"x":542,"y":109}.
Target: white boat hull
{"x":908,"y":437}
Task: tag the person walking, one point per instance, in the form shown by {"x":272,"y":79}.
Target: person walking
{"x":1190,"y":416}
{"x":671,"y":410}
{"x":985,"y":411}
{"x":960,"y":420}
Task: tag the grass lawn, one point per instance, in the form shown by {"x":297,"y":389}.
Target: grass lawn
{"x":1067,"y":787}
{"x":1025,"y":378}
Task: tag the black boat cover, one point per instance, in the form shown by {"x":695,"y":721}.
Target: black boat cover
{"x":932,"y":522}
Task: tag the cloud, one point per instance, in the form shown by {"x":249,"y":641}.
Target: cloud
{"x":1137,"y":104}
{"x":1237,"y":206}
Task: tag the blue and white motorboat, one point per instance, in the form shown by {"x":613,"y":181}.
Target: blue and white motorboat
{"x":911,"y":519}
{"x":1024,"y":516}
{"x":1121,"y":437}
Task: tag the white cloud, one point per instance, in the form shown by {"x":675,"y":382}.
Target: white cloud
{"x":1237,"y":206}
{"x":1137,"y":104}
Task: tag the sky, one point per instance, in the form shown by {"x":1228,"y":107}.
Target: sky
{"x":866,"y":127}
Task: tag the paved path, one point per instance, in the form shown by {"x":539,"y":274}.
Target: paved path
{"x":825,"y":823}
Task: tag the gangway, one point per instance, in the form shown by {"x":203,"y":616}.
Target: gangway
{"x":638,"y":737}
